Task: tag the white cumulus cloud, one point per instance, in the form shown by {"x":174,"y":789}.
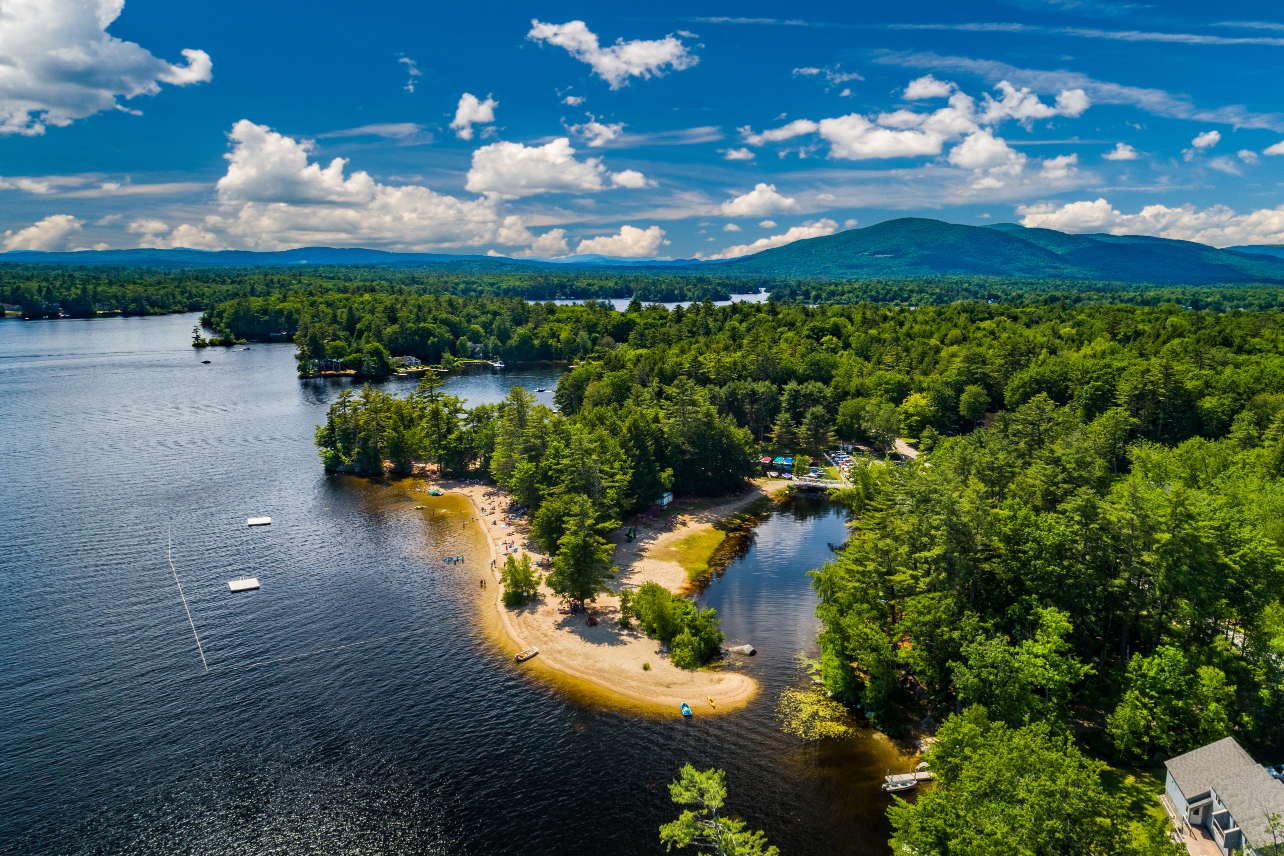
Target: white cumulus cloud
{"x":1122,"y":152}
{"x":810,"y":229}
{"x":58,"y":64}
{"x":745,"y":154}
{"x":763,"y":199}
{"x":1219,"y":225}
{"x":853,"y":137}
{"x":1060,"y":167}
{"x":767,"y":224}
{"x":184,"y":235}
{"x":513,"y":170}
{"x":927,"y":87}
{"x":1277,"y":149}
{"x":1207,"y":140}
{"x":550,"y":245}
{"x":51,"y":233}
{"x":731,"y":227}
{"x":595,"y":133}
{"x":1247,"y":155}
{"x":617,"y":63}
{"x":471,"y":112}
{"x":275,"y":199}
{"x":990,"y":157}
{"x":1024,"y":106}
{"x":631,"y":242}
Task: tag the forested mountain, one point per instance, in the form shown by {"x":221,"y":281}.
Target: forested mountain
{"x":908,"y":248}
{"x":913,"y":247}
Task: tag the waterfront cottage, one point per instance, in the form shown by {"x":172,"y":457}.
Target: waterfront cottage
{"x":1220,"y":801}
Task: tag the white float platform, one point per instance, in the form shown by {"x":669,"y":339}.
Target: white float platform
{"x":259,"y":521}
{"x":248,"y":584}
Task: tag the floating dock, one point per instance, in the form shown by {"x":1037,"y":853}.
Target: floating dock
{"x":259,"y":521}
{"x":247,"y":584}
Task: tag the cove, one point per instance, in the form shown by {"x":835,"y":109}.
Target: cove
{"x":113,"y":740}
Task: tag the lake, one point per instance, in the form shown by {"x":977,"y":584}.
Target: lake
{"x":419,"y":737}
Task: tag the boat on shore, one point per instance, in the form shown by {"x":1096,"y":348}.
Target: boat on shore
{"x":686,"y":709}
{"x":897,"y":782}
{"x":526,"y":655}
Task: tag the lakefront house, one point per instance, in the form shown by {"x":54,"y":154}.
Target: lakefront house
{"x":1221,"y":801}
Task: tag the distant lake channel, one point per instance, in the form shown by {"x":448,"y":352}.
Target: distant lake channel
{"x":426,"y":740}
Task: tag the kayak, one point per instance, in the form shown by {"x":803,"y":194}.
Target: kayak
{"x":526,"y":655}
{"x":711,"y":704}
{"x":686,"y":709}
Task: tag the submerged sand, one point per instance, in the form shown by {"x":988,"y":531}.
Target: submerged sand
{"x":609,"y":656}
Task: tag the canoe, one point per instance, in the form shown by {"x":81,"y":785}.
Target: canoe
{"x":526,"y":655}
{"x":686,"y":709}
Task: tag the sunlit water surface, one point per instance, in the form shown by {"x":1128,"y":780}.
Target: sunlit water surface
{"x":113,"y":739}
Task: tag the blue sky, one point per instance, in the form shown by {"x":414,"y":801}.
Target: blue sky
{"x":678,"y":130}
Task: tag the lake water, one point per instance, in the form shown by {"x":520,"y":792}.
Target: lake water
{"x":428,"y":740}
{"x":622,"y":303}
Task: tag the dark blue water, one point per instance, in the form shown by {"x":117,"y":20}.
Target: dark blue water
{"x":113,"y":739}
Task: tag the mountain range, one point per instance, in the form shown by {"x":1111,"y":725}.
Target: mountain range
{"x":896,"y":249}
{"x":913,"y":247}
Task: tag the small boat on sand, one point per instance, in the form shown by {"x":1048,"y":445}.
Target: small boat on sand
{"x":711,"y":704}
{"x":526,"y":655}
{"x":686,"y":709}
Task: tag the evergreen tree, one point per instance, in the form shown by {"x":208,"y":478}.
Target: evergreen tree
{"x":582,"y":564}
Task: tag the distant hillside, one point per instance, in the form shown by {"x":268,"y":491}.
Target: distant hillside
{"x":913,"y":247}
{"x":1261,"y":249}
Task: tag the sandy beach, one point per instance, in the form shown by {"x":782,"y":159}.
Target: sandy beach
{"x":608,"y":656}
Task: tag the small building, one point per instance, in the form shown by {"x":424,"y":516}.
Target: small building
{"x":665,"y":499}
{"x":406,"y":361}
{"x":1217,"y":796}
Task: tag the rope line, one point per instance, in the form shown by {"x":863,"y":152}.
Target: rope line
{"x":184,"y":597}
{"x":318,"y":651}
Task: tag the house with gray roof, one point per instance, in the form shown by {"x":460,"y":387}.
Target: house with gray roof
{"x":1218,"y":795}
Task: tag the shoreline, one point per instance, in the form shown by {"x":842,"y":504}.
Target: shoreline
{"x":606,"y":660}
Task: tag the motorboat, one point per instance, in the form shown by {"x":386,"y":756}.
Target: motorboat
{"x":526,"y":655}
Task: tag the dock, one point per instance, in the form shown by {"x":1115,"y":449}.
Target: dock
{"x":247,"y":584}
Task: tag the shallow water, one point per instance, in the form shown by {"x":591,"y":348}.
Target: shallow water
{"x":429,"y":740}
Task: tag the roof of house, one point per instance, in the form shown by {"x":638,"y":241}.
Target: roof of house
{"x":1241,"y":783}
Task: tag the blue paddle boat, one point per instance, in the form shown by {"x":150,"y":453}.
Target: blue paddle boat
{"x":686,"y":709}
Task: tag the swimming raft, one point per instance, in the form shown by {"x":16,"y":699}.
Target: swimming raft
{"x":247,"y":584}
{"x":259,"y":521}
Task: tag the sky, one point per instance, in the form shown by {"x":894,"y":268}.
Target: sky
{"x":673,"y":130}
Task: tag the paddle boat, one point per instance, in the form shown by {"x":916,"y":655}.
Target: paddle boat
{"x":526,"y":655}
{"x":686,"y":709}
{"x":766,"y":459}
{"x":789,"y":462}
